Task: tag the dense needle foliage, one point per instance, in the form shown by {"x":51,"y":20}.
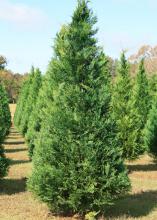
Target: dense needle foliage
{"x":142,"y":103}
{"x":5,"y":123}
{"x":77,"y":165}
{"x":123,"y":112}
{"x":27,"y":100}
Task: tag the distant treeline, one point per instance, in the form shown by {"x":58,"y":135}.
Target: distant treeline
{"x":11,"y":81}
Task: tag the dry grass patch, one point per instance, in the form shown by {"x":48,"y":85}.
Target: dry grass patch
{"x":16,"y":203}
{"x":141,"y":203}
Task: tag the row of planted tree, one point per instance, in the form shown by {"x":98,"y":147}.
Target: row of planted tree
{"x":5,"y":123}
{"x":80,"y":123}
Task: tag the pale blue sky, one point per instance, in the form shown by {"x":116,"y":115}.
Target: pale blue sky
{"x":28,"y":27}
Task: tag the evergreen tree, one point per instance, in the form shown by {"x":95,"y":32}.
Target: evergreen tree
{"x":124,"y":111}
{"x":77,"y":164}
{"x":5,"y":122}
{"x":44,"y":98}
{"x":152,"y":81}
{"x":150,"y":130}
{"x":142,"y":102}
{"x":22,"y":102}
{"x":5,"y":116}
{"x":30,"y":103}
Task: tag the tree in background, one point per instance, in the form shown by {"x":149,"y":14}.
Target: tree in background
{"x":142,"y":103}
{"x":77,"y":165}
{"x":11,"y":82}
{"x":22,"y":102}
{"x":30,"y":103}
{"x":151,"y":129}
{"x":5,"y":122}
{"x":152,"y":80}
{"x":124,"y":113}
{"x":27,"y":100}
{"x":3,"y":62}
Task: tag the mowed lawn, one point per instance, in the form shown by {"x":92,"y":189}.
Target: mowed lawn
{"x":16,"y":203}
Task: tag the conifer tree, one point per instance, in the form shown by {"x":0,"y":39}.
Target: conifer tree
{"x":44,"y":98}
{"x":124,"y":113}
{"x":152,"y":81}
{"x":34,"y":123}
{"x":22,"y":102}
{"x":77,"y":164}
{"x":5,"y":116}
{"x":31,"y":99}
{"x":150,"y":130}
{"x":5,"y":122}
{"x":142,"y":102}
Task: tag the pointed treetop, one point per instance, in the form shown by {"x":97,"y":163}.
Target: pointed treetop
{"x":83,"y":13}
{"x":123,"y":65}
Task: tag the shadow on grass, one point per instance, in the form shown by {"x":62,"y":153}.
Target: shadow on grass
{"x":14,"y":137}
{"x":136,"y":205}
{"x":14,"y":132}
{"x":12,"y":186}
{"x":15,"y":162}
{"x":15,"y":150}
{"x":142,"y":167}
{"x":13,"y":142}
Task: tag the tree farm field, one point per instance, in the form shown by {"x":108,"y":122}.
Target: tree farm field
{"x":78,"y":121}
{"x":17,"y":203}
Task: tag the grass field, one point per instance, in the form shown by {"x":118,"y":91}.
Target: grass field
{"x":18,"y":204}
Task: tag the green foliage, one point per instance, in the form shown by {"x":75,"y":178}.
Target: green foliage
{"x":77,"y":165}
{"x":22,"y":102}
{"x":34,"y":123}
{"x":130,"y":109}
{"x":34,"y":88}
{"x":5,"y":122}
{"x":152,"y":81}
{"x":124,"y":112}
{"x":151,"y":129}
{"x":5,"y":116}
{"x":27,"y":100}
{"x":142,"y":103}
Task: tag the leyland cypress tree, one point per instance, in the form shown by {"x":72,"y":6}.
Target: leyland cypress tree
{"x":142,"y":102}
{"x":124,"y":111}
{"x":31,"y":99}
{"x":5,"y":116}
{"x":141,"y":93}
{"x":44,"y":98}
{"x":5,"y":122}
{"x":150,"y":131}
{"x":22,"y":102}
{"x":77,"y":164}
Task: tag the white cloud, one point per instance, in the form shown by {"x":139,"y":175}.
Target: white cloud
{"x":20,"y":14}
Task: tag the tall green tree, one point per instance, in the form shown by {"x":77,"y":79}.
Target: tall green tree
{"x":22,"y":102}
{"x":44,"y":98}
{"x":142,"y":103}
{"x":77,"y":165}
{"x":30,"y":104}
{"x":5,"y":122}
{"x":150,"y":131}
{"x":124,"y":111}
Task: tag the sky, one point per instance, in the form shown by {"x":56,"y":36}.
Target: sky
{"x":28,"y":28}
